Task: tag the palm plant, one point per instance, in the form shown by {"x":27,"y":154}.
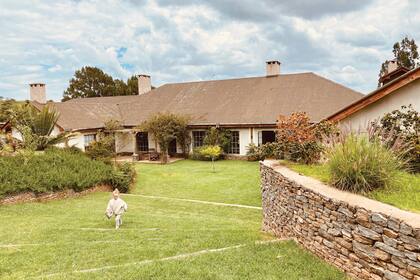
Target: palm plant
{"x":36,"y":127}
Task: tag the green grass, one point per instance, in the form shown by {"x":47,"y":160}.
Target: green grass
{"x":404,"y":192}
{"x":60,"y":236}
{"x":233,"y":182}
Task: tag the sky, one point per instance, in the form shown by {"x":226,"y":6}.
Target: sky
{"x":188,"y":40}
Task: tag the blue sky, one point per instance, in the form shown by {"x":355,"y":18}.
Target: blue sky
{"x":184,"y":40}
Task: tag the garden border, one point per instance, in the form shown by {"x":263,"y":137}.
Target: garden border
{"x":363,"y":237}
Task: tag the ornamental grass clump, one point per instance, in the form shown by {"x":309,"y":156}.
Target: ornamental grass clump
{"x":360,"y":165}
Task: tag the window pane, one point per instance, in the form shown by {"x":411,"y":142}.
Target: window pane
{"x":89,"y":138}
{"x":234,"y":143}
{"x":198,"y":138}
{"x":142,"y":142}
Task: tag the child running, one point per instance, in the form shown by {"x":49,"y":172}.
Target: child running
{"x":116,"y":206}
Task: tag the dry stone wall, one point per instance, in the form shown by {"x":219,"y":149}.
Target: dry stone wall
{"x":365,"y":238}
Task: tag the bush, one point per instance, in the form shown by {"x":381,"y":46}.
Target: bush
{"x":401,"y":128}
{"x":123,"y":176}
{"x":300,"y":140}
{"x":58,"y":169}
{"x":360,"y":165}
{"x":268,"y":150}
{"x":200,"y":153}
{"x":102,"y":149}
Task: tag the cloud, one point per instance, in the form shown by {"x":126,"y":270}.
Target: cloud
{"x":174,"y":41}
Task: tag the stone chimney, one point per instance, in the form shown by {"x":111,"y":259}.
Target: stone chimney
{"x":37,"y":93}
{"x":272,"y":68}
{"x":144,"y":83}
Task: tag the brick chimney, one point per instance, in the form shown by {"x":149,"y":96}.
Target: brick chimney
{"x":144,"y":83}
{"x":272,"y":68}
{"x":37,"y":93}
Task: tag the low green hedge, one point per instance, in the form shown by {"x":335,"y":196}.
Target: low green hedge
{"x":58,"y":169}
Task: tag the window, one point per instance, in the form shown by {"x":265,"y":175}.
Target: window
{"x":234,"y":143}
{"x":198,"y":138}
{"x":142,"y":142}
{"x":266,"y":136}
{"x":89,"y":138}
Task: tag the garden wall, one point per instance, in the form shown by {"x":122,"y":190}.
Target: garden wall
{"x":365,"y":238}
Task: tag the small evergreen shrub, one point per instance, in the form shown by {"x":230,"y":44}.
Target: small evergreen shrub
{"x":58,"y":169}
{"x":123,"y":176}
{"x":360,"y":165}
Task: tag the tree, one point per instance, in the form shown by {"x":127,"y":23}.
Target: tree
{"x":5,"y":106}
{"x":405,"y":53}
{"x":211,"y":152}
{"x":218,"y":137}
{"x":132,"y":86}
{"x":36,"y":127}
{"x":165,"y":127}
{"x":89,"y":82}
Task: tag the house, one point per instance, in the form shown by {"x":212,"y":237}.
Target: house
{"x":404,"y":89}
{"x":249,"y":107}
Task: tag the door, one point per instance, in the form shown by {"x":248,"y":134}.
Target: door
{"x":172,"y":148}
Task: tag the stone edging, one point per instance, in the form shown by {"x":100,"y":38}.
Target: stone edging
{"x":33,"y":197}
{"x":365,"y":238}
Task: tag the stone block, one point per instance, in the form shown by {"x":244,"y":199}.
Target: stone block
{"x":368,"y":233}
{"x":382,"y":255}
{"x":390,"y":233}
{"x":393,"y":276}
{"x":406,"y":229}
{"x":378,"y":219}
{"x":389,"y":249}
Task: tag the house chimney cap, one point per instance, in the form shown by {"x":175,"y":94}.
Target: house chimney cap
{"x":273,"y":62}
{"x":37,"y":84}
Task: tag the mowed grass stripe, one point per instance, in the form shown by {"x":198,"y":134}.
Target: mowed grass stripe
{"x":171,"y":258}
{"x":196,"y":201}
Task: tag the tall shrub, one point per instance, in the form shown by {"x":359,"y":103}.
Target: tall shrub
{"x":300,"y":140}
{"x":401,"y":129}
{"x":166,"y":127}
{"x":358,"y":164}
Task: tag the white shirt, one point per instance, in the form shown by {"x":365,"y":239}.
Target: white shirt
{"x":116,"y":206}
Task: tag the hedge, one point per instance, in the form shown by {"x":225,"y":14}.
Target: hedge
{"x":59,"y":169}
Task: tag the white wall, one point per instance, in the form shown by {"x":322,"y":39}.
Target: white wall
{"x":409,"y":94}
{"x":125,"y":142}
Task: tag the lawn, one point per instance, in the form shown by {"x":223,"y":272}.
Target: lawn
{"x":161,"y":238}
{"x":404,"y":192}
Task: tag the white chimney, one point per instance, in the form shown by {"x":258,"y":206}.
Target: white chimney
{"x":144,"y":83}
{"x":37,"y":93}
{"x":391,"y":66}
{"x":272,"y":68}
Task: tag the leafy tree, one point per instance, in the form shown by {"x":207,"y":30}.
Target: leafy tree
{"x":120,"y":87}
{"x":405,"y":53}
{"x":211,"y":152}
{"x":218,"y":137}
{"x":165,"y":127}
{"x":132,"y":86}
{"x":89,"y":82}
{"x":36,"y":126}
{"x":5,"y":106}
